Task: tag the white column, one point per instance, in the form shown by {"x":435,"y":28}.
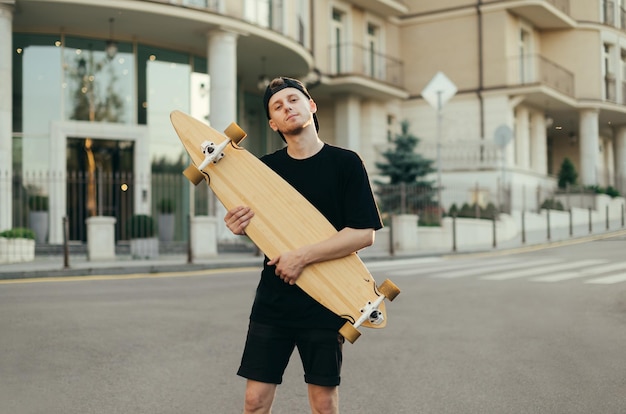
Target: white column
{"x":538,"y":143}
{"x":608,"y":162}
{"x":620,"y":159}
{"x":522,"y":159}
{"x":222,"y":62}
{"x":6,"y":107}
{"x":348,"y":122}
{"x":589,"y":146}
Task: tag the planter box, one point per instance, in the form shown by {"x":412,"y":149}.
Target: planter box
{"x":144,"y":248}
{"x":16,"y":250}
{"x":39,"y":224}
{"x":166,"y":227}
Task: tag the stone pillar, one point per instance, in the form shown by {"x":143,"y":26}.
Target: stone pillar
{"x":620,"y":159}
{"x":6,"y":117}
{"x":538,"y":144}
{"x":589,"y":146}
{"x":522,"y":142}
{"x":608,"y":163}
{"x":222,"y":62}
{"x":404,"y":233}
{"x":348,"y":121}
{"x":100,"y":238}
{"x":203,"y":237}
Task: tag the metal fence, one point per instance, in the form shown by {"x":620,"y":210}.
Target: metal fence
{"x":168,"y":197}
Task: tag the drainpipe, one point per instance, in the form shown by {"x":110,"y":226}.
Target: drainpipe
{"x":479,"y":92}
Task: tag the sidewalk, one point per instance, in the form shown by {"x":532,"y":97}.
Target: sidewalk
{"x":53,"y":265}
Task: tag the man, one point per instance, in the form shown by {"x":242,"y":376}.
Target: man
{"x":334,"y":180}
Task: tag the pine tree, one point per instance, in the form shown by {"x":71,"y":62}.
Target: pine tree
{"x":567,"y":174}
{"x":406,"y":189}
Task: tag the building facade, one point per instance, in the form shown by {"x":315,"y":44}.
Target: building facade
{"x":87,"y":88}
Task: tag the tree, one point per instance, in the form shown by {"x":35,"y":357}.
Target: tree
{"x":567,"y":174}
{"x":406,"y":188}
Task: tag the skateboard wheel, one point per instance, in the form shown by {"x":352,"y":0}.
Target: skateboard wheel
{"x":349,"y":332}
{"x":235,"y":133}
{"x":389,"y":289}
{"x":193,"y":174}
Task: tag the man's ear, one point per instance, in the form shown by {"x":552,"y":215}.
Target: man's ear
{"x":273,"y":125}
{"x":313,"y":106}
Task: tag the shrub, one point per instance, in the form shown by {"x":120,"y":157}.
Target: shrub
{"x":567,"y":175}
{"x":166,"y":206}
{"x":141,"y":226}
{"x":612,"y":191}
{"x":38,"y":202}
{"x":18,"y":233}
{"x":552,"y":204}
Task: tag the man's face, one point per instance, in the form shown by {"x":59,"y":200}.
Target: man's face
{"x":290,"y":111}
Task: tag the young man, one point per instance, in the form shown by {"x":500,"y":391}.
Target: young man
{"x":334,"y":180}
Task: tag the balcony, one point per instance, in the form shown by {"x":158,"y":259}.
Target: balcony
{"x":386,"y":8}
{"x":364,"y":70}
{"x":544,"y":14}
{"x":537,"y":70}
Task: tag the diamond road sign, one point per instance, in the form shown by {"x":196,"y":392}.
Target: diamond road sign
{"x":439,"y":90}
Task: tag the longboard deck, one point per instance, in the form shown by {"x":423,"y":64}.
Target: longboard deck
{"x":284,"y":220}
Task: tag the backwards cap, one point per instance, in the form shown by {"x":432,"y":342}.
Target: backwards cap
{"x":276,"y":86}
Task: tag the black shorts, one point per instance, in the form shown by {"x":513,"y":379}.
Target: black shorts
{"x":268,"y":349}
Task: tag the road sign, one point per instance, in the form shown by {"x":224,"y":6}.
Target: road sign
{"x":439,"y":90}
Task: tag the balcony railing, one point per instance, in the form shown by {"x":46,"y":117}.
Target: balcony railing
{"x":535,"y":69}
{"x":562,"y":5}
{"x":352,"y":59}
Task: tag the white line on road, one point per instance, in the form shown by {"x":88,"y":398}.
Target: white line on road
{"x":534,"y":270}
{"x":558,"y":277}
{"x":489,"y":269}
{"x":608,"y":280}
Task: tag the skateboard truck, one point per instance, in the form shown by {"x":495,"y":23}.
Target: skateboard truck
{"x":371,"y":313}
{"x":212,"y":153}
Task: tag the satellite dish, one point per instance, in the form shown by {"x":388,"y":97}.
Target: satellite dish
{"x":503,"y":135}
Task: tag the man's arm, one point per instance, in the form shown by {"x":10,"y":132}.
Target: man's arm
{"x":289,"y":265}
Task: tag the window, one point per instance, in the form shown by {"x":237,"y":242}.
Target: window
{"x":338,"y":46}
{"x":525,"y":57}
{"x":372,"y":65}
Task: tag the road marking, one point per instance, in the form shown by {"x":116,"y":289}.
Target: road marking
{"x":608,"y":280}
{"x":533,"y":271}
{"x":421,"y":270}
{"x":558,"y":277}
{"x":488,"y":269}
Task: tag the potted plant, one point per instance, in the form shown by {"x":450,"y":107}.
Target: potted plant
{"x":166,"y":208}
{"x":17,"y":245}
{"x":141,"y":229}
{"x":38,"y":216}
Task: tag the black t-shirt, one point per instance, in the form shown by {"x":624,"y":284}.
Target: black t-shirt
{"x":335,"y":181}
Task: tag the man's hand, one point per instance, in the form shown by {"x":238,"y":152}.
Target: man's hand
{"x":289,"y":266}
{"x":238,"y":219}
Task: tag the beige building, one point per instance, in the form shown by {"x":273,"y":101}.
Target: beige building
{"x":552,"y":71}
{"x":104,"y":76}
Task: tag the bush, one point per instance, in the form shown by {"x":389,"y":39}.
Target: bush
{"x":567,"y":175}
{"x":166,"y":206}
{"x":141,"y":226}
{"x":552,"y":204}
{"x":612,"y":191}
{"x":474,"y":211}
{"x":38,"y":202}
{"x":18,"y":233}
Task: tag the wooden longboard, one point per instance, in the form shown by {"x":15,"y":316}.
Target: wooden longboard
{"x":283,"y":221}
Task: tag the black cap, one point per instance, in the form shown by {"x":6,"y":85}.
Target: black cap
{"x":279,"y":86}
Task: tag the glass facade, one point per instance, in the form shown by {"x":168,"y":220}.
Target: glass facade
{"x":64,"y":79}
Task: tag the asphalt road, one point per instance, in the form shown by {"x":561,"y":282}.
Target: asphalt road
{"x":537,"y":332}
